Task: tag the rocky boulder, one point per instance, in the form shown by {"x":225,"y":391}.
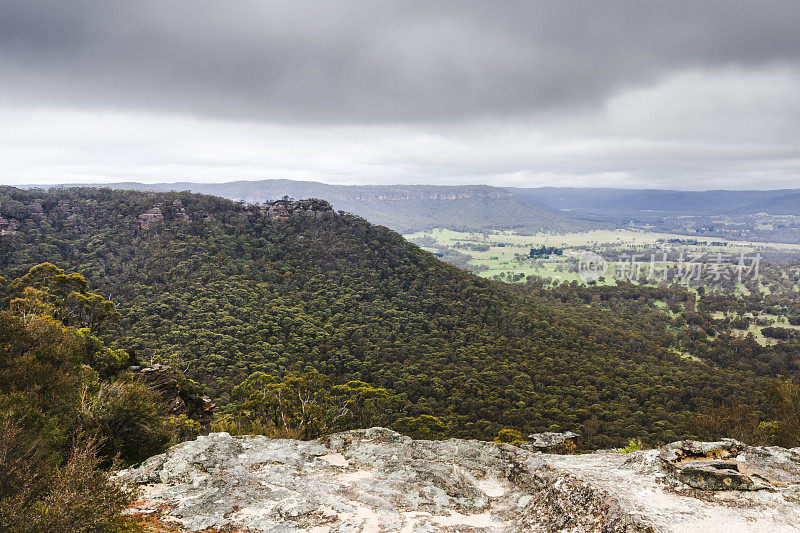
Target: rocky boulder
{"x":378,"y":480}
{"x":162,"y":380}
{"x":730,"y":465}
{"x":552,"y":442}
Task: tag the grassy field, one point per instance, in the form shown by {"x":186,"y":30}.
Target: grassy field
{"x":587,"y":239}
{"x":505,"y":246}
{"x":755,"y":329}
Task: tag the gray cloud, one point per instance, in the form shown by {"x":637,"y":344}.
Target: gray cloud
{"x":368,"y":62}
{"x":680,"y":94}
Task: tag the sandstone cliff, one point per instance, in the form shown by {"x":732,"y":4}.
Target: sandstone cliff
{"x":378,"y":480}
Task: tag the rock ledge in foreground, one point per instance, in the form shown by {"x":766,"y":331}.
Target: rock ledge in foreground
{"x":378,"y":480}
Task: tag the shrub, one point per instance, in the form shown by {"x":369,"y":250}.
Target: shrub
{"x":634,"y":445}
{"x":80,"y":498}
{"x":779,"y":333}
{"x":129,"y":418}
{"x":40,"y":494}
{"x":422,"y":427}
{"x":510,"y":436}
{"x":182,"y":428}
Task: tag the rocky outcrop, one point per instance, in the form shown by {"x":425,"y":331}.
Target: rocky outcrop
{"x":408,"y":195}
{"x":8,"y":226}
{"x":152,"y":216}
{"x":174,"y":211}
{"x":378,"y":480}
{"x":730,"y":465}
{"x":161,"y":380}
{"x":286,"y":207}
{"x":180,"y":212}
{"x":34,"y":209}
{"x":551,"y":442}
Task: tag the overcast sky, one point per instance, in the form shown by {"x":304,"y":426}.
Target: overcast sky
{"x":670,"y":94}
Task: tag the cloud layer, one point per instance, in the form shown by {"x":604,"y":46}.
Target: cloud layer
{"x":679,"y":94}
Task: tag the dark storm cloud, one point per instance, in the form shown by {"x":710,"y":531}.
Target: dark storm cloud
{"x":373,"y":61}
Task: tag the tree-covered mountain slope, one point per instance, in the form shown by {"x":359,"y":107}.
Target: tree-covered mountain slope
{"x":227,"y":289}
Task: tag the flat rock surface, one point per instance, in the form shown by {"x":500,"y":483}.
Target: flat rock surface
{"x":646,"y":492}
{"x":378,"y":480}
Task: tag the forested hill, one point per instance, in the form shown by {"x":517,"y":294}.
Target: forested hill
{"x":404,"y":208}
{"x":227,"y":289}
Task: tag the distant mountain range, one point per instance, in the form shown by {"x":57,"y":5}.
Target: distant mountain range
{"x":404,"y":208}
{"x":606,"y":204}
{"x":738,"y":215}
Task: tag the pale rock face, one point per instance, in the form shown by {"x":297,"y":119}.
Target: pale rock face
{"x":551,"y":442}
{"x":378,"y":480}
